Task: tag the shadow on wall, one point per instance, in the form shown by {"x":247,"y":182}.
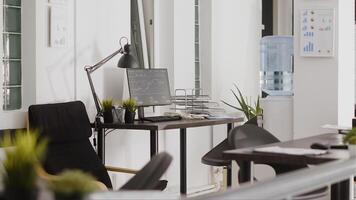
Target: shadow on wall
{"x":113,"y":77}
{"x":57,"y":74}
{"x":114,"y":83}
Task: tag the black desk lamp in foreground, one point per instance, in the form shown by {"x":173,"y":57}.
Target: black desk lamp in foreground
{"x":126,"y":61}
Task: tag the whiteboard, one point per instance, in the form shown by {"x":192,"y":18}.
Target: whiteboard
{"x":317,"y":32}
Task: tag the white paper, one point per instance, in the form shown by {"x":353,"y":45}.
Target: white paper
{"x":290,"y":151}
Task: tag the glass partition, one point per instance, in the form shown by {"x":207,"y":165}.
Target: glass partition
{"x":11,"y":55}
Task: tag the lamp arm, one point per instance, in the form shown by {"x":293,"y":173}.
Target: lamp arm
{"x":93,"y":68}
{"x":90,"y":69}
{"x":95,"y":96}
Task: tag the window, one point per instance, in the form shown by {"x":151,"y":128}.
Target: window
{"x":11,"y":55}
{"x":197,"y":45}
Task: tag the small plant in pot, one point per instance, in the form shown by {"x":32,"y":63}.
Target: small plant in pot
{"x":130,"y":110}
{"x":23,"y":154}
{"x":72,"y":185}
{"x":251,"y":112}
{"x":350,"y":139}
{"x":107,"y":105}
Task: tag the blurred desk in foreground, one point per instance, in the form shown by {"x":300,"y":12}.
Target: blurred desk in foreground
{"x":246,"y":156}
{"x":133,"y":195}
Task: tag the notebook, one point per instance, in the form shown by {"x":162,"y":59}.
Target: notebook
{"x":291,"y":151}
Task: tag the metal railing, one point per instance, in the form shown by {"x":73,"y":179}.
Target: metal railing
{"x":288,"y":185}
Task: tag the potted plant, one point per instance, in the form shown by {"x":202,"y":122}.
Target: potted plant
{"x":72,"y":185}
{"x":23,"y":155}
{"x":107,"y":110}
{"x":251,"y":112}
{"x":350,"y":139}
{"x":130,"y":110}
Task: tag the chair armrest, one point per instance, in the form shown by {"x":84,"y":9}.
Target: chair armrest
{"x":42,"y":174}
{"x":121,"y":170}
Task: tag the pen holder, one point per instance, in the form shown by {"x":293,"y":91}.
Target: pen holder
{"x":118,"y":115}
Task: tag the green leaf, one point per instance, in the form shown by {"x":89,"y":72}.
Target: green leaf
{"x":348,"y":137}
{"x":231,"y":105}
{"x":245,"y":105}
{"x":21,"y":161}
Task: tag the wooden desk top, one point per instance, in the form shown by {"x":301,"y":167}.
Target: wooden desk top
{"x":172,"y":124}
{"x":247,"y":154}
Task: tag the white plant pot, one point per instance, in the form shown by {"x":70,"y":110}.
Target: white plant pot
{"x":352,"y":150}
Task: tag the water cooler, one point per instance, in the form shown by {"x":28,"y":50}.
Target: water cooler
{"x":276,"y":77}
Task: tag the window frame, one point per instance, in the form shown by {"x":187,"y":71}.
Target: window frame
{"x":8,"y":59}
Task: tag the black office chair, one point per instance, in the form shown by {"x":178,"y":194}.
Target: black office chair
{"x":67,"y":127}
{"x":215,"y":156}
{"x":249,"y":135}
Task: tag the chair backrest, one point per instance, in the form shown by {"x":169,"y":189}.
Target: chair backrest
{"x":60,"y":122}
{"x":249,"y":135}
{"x":67,"y":127}
{"x":148,"y":177}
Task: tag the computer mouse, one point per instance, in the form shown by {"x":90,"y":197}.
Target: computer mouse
{"x":319,"y":146}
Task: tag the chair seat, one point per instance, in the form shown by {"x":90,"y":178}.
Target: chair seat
{"x":215,"y":157}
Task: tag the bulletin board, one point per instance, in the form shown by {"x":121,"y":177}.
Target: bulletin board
{"x":317,"y":34}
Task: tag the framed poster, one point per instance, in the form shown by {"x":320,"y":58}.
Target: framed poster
{"x":317,"y":32}
{"x":58,"y":26}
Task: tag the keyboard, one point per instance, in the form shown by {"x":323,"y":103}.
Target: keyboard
{"x":162,"y":118}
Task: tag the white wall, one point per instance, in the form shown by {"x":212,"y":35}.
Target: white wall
{"x":174,"y":39}
{"x":236,"y":32}
{"x":99,"y":28}
{"x":324,"y":87}
{"x":236,"y":36}
{"x":54,"y":66}
{"x":227,"y":63}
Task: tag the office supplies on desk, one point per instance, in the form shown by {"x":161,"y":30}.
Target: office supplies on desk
{"x":336,"y":127}
{"x":318,"y":145}
{"x":188,"y":116}
{"x":162,"y":118}
{"x":290,"y":151}
{"x":194,"y":101}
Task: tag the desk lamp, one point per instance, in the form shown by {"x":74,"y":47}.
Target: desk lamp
{"x":126,"y":61}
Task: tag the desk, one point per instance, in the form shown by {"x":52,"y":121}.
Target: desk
{"x":246,"y":156}
{"x":153,"y":128}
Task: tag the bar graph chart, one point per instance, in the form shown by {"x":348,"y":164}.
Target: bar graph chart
{"x":317,"y":32}
{"x":309,"y":47}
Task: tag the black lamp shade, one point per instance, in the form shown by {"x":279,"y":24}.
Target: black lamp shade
{"x":127,"y":61}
